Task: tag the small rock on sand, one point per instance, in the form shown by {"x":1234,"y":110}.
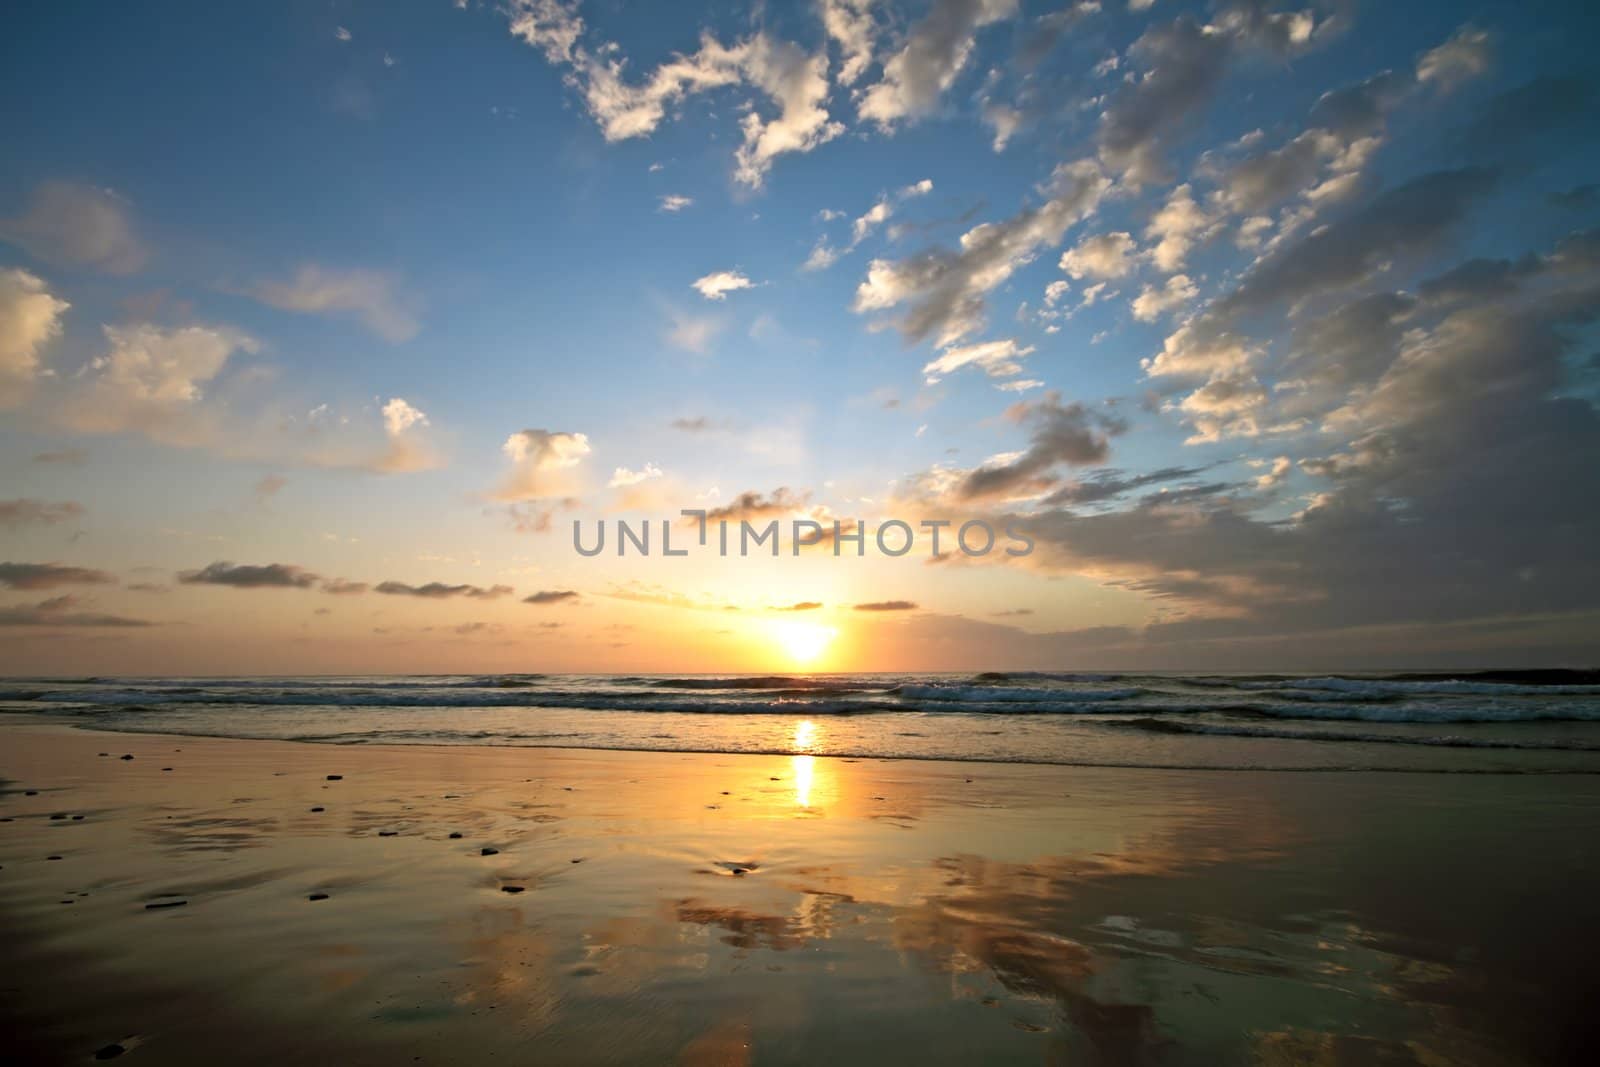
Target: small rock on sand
{"x":456,"y":835}
{"x":486,"y":851}
{"x":127,"y":756}
{"x":335,"y":777}
{"x":165,"y":904}
{"x":52,"y":857}
{"x":512,"y":888}
{"x":318,"y":896}
{"x":319,"y":809}
{"x":110,"y":1052}
{"x":387,"y":833}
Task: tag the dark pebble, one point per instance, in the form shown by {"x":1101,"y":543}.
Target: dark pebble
{"x":455,"y":836}
{"x":488,"y":851}
{"x":110,"y":1052}
{"x":59,"y":815}
{"x":318,"y":809}
{"x":165,"y":904}
{"x":105,"y":753}
{"x":387,"y":833}
{"x":30,"y":792}
{"x":318,"y":896}
{"x":335,"y":777}
{"x":52,"y":857}
{"x":511,"y":888}
{"x":166,"y":768}
{"x":578,"y":860}
{"x":127,"y":757}
{"x":77,"y":818}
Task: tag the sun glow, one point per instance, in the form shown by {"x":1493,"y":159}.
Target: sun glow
{"x":804,"y":641}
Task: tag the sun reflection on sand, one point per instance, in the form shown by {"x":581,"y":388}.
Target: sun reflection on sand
{"x":805,"y":736}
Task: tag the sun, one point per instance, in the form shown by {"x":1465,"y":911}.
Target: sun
{"x":803,"y":642}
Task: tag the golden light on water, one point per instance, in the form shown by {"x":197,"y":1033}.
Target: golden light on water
{"x":803,"y":642}
{"x":804,"y":767}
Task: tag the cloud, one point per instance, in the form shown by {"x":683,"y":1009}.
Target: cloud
{"x":850,"y":24}
{"x":150,"y":380}
{"x":1107,"y":485}
{"x":1463,"y":56}
{"x":945,"y":288}
{"x":343,"y":587}
{"x":49,"y":576}
{"x":370,"y":296}
{"x":935,"y":51}
{"x":1068,"y":434}
{"x":1177,"y":227}
{"x":803,"y":605}
{"x":824,"y":255}
{"x":697,"y":424}
{"x":998,"y":359}
{"x":623,"y":477}
{"x":692,"y":333}
{"x":1155,"y":301}
{"x":251,"y":576}
{"x":752,"y":504}
{"x":441,"y":591}
{"x":782,"y":72}
{"x":1106,"y":255}
{"x":718,"y":284}
{"x":404,"y":450}
{"x":887,"y":605}
{"x":30,"y":318}
{"x":25,"y":511}
{"x":544,"y":464}
{"x":71,"y":225}
{"x":673,"y":203}
{"x":57,"y":611}
{"x":551,"y":596}
{"x":66,"y":457}
{"x":269,"y":486}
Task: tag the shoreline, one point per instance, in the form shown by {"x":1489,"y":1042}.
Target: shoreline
{"x":625,"y":906}
{"x":26,"y":721}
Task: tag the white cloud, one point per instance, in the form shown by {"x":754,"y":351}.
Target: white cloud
{"x":718,"y":284}
{"x":945,"y":289}
{"x":341,"y":34}
{"x":1106,"y":255}
{"x":151,"y":380}
{"x":1463,"y":56}
{"x":1153,"y":302}
{"x":399,"y":416}
{"x":692,"y":333}
{"x":30,"y":318}
{"x":73,"y":225}
{"x":673,"y":203}
{"x":998,"y":359}
{"x":543,"y":464}
{"x":850,"y":24}
{"x":934,"y":53}
{"x":1020,"y":385}
{"x":799,"y":83}
{"x":369,"y":295}
{"x":623,"y":477}
{"x":1176,"y":227}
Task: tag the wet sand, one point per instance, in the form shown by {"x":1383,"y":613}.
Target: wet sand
{"x":249,"y":901}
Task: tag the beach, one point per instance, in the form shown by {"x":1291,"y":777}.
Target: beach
{"x":219,"y":899}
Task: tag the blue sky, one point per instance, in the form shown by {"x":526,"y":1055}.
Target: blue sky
{"x":485,"y":213}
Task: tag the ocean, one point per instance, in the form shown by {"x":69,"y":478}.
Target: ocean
{"x":1487,"y":721}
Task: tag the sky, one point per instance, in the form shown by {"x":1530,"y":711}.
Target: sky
{"x":1270,"y":325}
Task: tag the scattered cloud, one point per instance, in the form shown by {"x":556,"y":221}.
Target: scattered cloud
{"x":370,"y":296}
{"x":58,"y":611}
{"x":30,"y":318}
{"x":25,"y":511}
{"x":251,"y":576}
{"x":887,"y":605}
{"x":544,"y":464}
{"x":67,"y":224}
{"x":551,"y":596}
{"x":718,"y":284}
{"x":441,"y":591}
{"x":50,"y":575}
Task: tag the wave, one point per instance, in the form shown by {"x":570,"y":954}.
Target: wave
{"x":1174,"y":726}
{"x":988,"y":694}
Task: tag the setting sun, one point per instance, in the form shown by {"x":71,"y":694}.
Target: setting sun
{"x":803,"y":642}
